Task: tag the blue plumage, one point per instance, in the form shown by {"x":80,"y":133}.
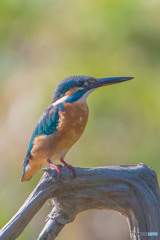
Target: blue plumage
{"x":76,"y":96}
{"x":47,"y":124}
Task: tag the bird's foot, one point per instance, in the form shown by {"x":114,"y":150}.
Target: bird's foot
{"x":56,"y":167}
{"x":69,"y":167}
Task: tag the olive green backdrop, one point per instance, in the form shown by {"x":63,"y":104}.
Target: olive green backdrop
{"x":42,"y":42}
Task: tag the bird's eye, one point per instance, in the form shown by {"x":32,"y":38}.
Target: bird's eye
{"x":86,"y":84}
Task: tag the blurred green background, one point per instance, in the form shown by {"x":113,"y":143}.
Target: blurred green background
{"x":42,"y":42}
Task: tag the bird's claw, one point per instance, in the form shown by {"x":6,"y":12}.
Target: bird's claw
{"x":69,"y":167}
{"x":56,"y":167}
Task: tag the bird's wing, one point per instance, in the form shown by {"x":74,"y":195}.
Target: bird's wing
{"x":47,"y":124}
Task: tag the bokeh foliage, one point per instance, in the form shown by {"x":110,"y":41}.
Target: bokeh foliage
{"x":41,"y":42}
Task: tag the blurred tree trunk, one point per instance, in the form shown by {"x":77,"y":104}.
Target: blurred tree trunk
{"x":131,"y":190}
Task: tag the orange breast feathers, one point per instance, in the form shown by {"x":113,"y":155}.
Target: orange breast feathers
{"x":72,"y":122}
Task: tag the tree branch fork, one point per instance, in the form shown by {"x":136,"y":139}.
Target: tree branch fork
{"x":131,"y":190}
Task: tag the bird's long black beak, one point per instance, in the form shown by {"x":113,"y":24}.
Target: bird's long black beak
{"x":109,"y":81}
{"x":113,"y":80}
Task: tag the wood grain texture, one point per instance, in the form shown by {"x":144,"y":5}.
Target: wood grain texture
{"x":130,"y":190}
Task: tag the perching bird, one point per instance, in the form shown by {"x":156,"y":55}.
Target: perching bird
{"x":62,"y":123}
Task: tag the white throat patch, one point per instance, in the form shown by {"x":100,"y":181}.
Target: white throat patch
{"x":84,"y":96}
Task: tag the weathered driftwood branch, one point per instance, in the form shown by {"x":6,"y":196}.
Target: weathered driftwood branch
{"x":130,"y":190}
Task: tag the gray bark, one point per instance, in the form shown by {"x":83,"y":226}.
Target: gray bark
{"x":131,"y":190}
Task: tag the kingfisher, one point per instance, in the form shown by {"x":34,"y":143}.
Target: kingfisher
{"x":62,"y":123}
